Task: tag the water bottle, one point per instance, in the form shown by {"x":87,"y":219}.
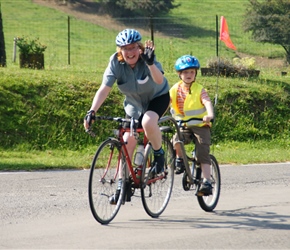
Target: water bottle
{"x":139,"y":155}
{"x":138,"y":160}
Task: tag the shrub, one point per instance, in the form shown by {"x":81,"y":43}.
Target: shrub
{"x":46,"y":111}
{"x":243,"y":67}
{"x":30,"y":46}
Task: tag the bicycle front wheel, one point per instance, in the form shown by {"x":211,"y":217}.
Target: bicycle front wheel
{"x":156,"y":192}
{"x":208,"y":203}
{"x":103,"y":181}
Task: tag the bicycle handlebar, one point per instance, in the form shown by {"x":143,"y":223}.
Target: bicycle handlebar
{"x":188,"y":120}
{"x":132,"y":121}
{"x":177,"y":123}
{"x":191,"y":119}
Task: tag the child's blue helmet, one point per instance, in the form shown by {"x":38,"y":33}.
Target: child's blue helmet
{"x":186,"y":62}
{"x":128,"y":36}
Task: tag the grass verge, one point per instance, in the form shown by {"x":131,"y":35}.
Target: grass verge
{"x":226,"y":153}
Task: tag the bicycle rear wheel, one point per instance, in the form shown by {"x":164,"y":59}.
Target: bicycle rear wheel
{"x":103,"y":181}
{"x":156,"y":192}
{"x":208,"y":203}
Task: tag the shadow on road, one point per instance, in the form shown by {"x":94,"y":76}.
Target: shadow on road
{"x":242,"y":218}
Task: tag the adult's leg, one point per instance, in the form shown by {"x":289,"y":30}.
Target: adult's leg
{"x":151,"y":128}
{"x":131,"y":143}
{"x":157,"y":107}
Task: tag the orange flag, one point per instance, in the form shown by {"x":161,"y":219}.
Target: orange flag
{"x":224,"y":34}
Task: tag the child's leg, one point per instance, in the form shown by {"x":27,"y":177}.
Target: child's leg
{"x":202,"y":144}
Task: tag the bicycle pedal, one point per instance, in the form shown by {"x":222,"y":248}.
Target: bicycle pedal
{"x":199,"y":194}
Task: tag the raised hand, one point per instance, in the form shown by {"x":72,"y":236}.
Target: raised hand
{"x":148,"y":54}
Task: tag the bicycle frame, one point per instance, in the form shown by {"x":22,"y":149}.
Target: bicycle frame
{"x":119,"y":132}
{"x":130,"y":167}
{"x":184,"y":155}
{"x":129,"y":163}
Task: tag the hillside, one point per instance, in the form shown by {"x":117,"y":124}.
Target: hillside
{"x":87,"y":10}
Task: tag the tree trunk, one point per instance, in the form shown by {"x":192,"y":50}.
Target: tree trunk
{"x":2,"y":43}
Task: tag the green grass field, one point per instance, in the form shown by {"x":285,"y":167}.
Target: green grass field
{"x":191,"y":28}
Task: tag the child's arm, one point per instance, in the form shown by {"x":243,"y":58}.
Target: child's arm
{"x":208,"y":105}
{"x":210,"y":112}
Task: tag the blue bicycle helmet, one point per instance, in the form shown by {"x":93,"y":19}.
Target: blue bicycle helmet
{"x":128,"y":36}
{"x":186,"y":62}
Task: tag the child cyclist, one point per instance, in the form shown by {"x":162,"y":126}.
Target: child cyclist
{"x":190,"y":100}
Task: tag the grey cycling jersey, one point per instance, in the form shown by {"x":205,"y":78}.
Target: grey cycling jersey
{"x":135,"y":83}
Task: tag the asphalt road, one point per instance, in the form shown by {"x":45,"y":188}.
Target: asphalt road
{"x":50,"y":210}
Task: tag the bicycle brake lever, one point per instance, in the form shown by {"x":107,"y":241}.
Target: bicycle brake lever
{"x":90,"y":132}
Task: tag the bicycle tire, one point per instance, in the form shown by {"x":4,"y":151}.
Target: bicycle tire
{"x":156,"y":195}
{"x":103,"y":180}
{"x":208,"y":203}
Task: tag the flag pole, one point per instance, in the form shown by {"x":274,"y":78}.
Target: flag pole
{"x":217,"y":39}
{"x":218,"y":73}
{"x":218,"y":64}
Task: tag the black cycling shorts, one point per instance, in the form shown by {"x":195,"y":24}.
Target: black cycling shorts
{"x":158,"y":105}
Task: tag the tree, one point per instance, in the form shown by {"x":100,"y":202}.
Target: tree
{"x":145,"y":8}
{"x":2,"y":43}
{"x":269,"y":22}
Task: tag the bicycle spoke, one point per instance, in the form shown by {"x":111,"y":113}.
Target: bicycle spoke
{"x":156,"y":191}
{"x":103,"y":181}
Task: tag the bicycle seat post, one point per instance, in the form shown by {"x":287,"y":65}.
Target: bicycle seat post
{"x":133,"y":128}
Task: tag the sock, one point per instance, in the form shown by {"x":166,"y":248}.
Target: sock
{"x":159,"y":151}
{"x":206,"y":180}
